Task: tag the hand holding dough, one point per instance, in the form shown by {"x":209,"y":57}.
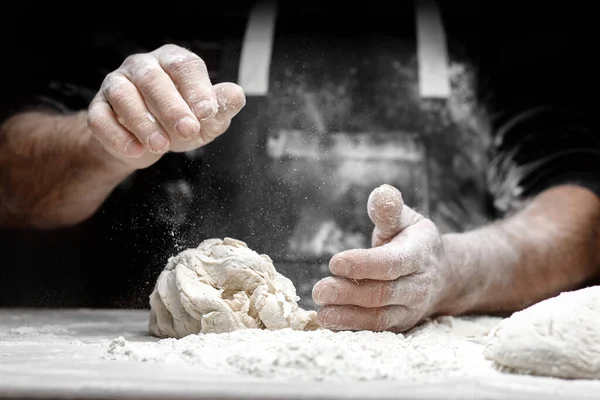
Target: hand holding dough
{"x":558,"y":337}
{"x":222,"y":286}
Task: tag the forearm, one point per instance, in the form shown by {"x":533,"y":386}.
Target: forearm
{"x":548,"y":247}
{"x":53,"y":173}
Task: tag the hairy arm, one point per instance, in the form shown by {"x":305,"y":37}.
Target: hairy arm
{"x":53,"y":172}
{"x":57,"y":169}
{"x":550,"y":246}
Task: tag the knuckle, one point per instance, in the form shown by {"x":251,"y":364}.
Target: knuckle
{"x":115,"y":88}
{"x":170,"y":48}
{"x":134,"y":61}
{"x":94,"y":124}
{"x":182,"y":64}
{"x":429,"y":223}
{"x":94,"y":118}
{"x":111,"y":78}
{"x":430,"y":227}
{"x":130,"y":60}
{"x":146,"y":75}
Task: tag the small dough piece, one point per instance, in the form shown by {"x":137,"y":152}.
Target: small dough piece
{"x":558,"y":337}
{"x":222,"y":286}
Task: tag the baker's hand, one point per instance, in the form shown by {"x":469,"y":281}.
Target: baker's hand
{"x":391,"y":286}
{"x":158,"y":102}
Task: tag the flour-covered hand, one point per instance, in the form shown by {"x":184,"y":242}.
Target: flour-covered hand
{"x":391,"y":286}
{"x":158,"y":102}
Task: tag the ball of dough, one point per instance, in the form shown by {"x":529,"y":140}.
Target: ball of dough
{"x":557,"y":337}
{"x":222,"y":286}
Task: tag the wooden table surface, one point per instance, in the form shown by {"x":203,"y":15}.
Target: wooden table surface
{"x":52,"y":354}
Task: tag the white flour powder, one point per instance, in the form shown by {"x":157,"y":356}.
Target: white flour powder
{"x":443,"y":347}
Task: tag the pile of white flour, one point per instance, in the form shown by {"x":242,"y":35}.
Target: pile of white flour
{"x":445,"y":347}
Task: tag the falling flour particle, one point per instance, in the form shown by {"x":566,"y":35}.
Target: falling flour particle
{"x":557,"y":337}
{"x":223,"y":286}
{"x":445,"y":346}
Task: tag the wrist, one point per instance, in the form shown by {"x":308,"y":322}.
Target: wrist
{"x":456,"y":293}
{"x":109,"y":166}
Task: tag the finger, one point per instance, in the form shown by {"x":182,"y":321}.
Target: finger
{"x":231,"y":99}
{"x":161,"y":96}
{"x":408,"y":252}
{"x":114,"y":137}
{"x":190,"y":75}
{"x":409,"y":291}
{"x":386,"y":209}
{"x":390,"y":318}
{"x":130,"y":108}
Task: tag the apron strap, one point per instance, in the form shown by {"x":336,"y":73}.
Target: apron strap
{"x":432,"y":53}
{"x":255,"y":59}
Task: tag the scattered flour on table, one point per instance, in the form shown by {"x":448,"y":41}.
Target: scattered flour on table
{"x":445,"y":346}
{"x":38,"y":330}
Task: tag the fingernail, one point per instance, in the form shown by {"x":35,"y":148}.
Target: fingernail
{"x":187,"y":127}
{"x":329,"y":317}
{"x":341,"y":267}
{"x":158,"y":143}
{"x":327,"y":294}
{"x":205,"y":109}
{"x":134,"y":148}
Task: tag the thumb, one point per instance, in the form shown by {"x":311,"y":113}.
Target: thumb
{"x":386,"y":209}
